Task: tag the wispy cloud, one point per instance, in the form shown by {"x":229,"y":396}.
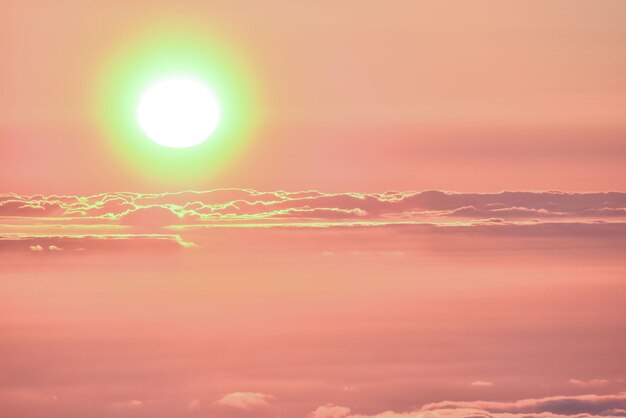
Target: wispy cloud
{"x":589,"y":406}
{"x":45,"y":244}
{"x":330,"y":411}
{"x":244,"y":400}
{"x":151,"y":218}
{"x":562,"y":405}
{"x":245,"y":204}
{"x":481,"y":383}
{"x":588,"y":383}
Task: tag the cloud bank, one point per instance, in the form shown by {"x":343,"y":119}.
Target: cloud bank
{"x":246,"y":204}
{"x":114,"y":217}
{"x":582,"y":406}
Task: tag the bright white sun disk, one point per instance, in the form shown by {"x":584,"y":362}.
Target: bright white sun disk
{"x":178,"y":112}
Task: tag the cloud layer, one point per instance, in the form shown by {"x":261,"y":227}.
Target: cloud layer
{"x":246,"y":204}
{"x":52,"y":223}
{"x":587,"y":406}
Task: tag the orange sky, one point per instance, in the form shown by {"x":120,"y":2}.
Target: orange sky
{"x":479,"y":96}
{"x":358,"y":256}
{"x":281,"y":322}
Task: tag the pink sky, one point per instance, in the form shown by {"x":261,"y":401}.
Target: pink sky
{"x":236,"y":303}
{"x":359,"y":257}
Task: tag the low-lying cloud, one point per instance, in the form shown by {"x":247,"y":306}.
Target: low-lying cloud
{"x":41,"y":245}
{"x":246,"y":401}
{"x":588,"y":406}
{"x":153,"y":221}
{"x":245,"y":204}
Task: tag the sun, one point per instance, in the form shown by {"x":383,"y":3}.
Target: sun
{"x":178,"y":112}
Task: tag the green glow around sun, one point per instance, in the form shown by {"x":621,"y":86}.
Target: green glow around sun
{"x":147,"y":133}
